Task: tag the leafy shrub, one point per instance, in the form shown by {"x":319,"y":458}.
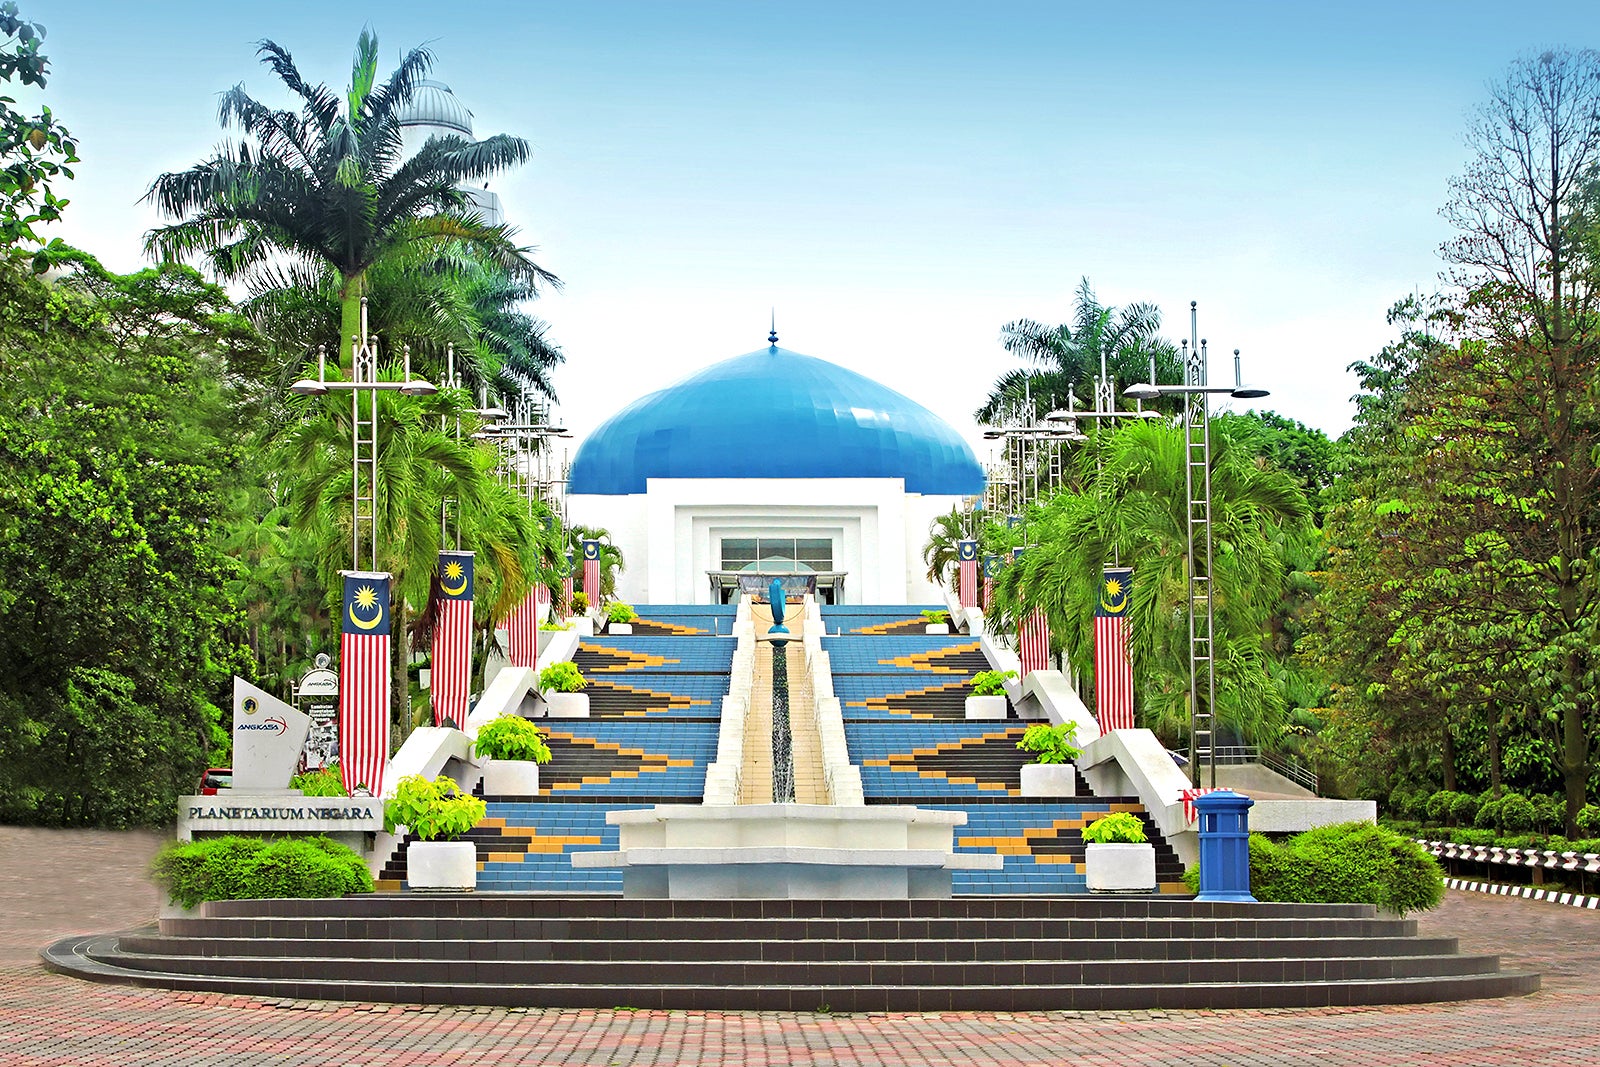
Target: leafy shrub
{"x":617,"y":611}
{"x":1408,"y":803}
{"x":1516,"y":812}
{"x":1118,"y":828}
{"x":563,"y":677}
{"x":435,"y":810}
{"x":1488,"y":816}
{"x":1050,"y":744}
{"x":247,"y":868}
{"x":1549,"y":812}
{"x":1440,"y":805}
{"x":320,"y":783}
{"x":511,"y":737}
{"x":1351,"y":863}
{"x":935,"y":616}
{"x":1464,"y":808}
{"x":1589,"y":819}
{"x":1408,"y":827}
{"x":580,"y":603}
{"x":990,"y":683}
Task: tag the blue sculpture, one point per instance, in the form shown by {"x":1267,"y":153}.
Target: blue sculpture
{"x":776,"y":598}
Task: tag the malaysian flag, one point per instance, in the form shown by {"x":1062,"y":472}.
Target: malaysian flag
{"x":1190,"y":813}
{"x":1113,"y":668}
{"x":991,"y":567}
{"x":967,"y":586}
{"x":364,"y":681}
{"x":452,"y":639}
{"x":591,"y":572}
{"x":1034,"y":643}
{"x":522,"y":631}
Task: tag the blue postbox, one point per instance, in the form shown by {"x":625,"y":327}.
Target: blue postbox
{"x":1224,"y":846}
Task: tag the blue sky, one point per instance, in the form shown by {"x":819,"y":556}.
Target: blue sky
{"x":898,"y":180}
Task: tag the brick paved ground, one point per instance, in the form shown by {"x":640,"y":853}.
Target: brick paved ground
{"x":56,"y":884}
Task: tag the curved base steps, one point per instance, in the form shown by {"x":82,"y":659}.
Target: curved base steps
{"x":979,"y":953}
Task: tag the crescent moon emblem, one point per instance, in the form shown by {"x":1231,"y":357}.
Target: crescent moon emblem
{"x":968,"y":553}
{"x":1115,"y":609}
{"x":591,"y":551}
{"x":376,"y":619}
{"x":457,"y":591}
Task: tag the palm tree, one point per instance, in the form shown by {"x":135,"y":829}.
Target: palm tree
{"x":1132,"y":509}
{"x":436,"y":300}
{"x":611,"y":561}
{"x":1068,"y":357}
{"x":329,"y":187}
{"x":419,"y":465}
{"x":941,"y":551}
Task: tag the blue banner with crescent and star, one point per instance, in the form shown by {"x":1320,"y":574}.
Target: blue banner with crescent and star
{"x":966,"y":551}
{"x":991,"y":566}
{"x":1115,"y":585}
{"x":455,"y":575}
{"x":366,"y":604}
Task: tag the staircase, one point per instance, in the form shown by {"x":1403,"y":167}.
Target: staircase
{"x":903,"y":698}
{"x":992,"y":953}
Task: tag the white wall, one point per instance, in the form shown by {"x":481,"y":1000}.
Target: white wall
{"x":671,"y":535}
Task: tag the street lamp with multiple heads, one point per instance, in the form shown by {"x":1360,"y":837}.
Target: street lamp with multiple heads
{"x":364,"y":430}
{"x":1196,"y":391}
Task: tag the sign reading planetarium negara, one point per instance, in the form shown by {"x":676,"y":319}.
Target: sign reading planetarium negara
{"x":280,"y":813}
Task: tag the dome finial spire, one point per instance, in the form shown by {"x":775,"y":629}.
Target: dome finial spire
{"x":772,"y":336}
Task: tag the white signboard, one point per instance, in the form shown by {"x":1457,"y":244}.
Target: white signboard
{"x":268,"y":737}
{"x":277,"y":813}
{"x":318,"y":684}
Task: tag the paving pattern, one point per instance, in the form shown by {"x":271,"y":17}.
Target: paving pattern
{"x":58,"y":883}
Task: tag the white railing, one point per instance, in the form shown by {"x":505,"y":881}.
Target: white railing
{"x":1578,"y":862}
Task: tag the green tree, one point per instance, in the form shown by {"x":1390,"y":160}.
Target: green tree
{"x":35,"y":150}
{"x":1525,"y":259}
{"x":328,"y":186}
{"x":1066,"y":358}
{"x":1132,"y":510}
{"x":118,"y":444}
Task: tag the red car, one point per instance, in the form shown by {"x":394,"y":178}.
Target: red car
{"x":214,"y":779}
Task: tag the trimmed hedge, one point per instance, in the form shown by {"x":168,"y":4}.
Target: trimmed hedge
{"x":249,"y":868}
{"x":1351,"y":863}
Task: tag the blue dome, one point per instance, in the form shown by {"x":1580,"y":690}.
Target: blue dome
{"x":773,"y":413}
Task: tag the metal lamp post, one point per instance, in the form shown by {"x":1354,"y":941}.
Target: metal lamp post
{"x":364,"y":430}
{"x":1196,"y":391}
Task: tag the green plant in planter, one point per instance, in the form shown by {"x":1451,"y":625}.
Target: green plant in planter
{"x":433,"y":809}
{"x":563,"y":677}
{"x":991,"y":683}
{"x":936,"y":616}
{"x":1051,"y":744}
{"x":580,"y":603}
{"x":1118,"y":828}
{"x":617,"y":611}
{"x":511,"y":737}
{"x":320,"y":783}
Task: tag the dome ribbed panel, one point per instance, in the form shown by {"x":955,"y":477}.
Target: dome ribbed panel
{"x":773,"y":413}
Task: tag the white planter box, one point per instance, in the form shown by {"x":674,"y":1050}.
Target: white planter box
{"x":1121,"y":868}
{"x":442,"y":866}
{"x":1049,"y":780}
{"x":510,"y":778}
{"x":991,"y":707}
{"x":583,"y":624}
{"x":567,"y":705}
{"x":620,"y":629}
{"x":936,"y":628}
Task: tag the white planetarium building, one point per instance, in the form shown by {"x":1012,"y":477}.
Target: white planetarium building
{"x":772,"y":463}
